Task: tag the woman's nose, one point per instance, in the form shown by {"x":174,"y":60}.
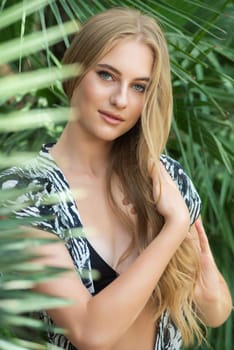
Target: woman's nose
{"x":119,"y":97}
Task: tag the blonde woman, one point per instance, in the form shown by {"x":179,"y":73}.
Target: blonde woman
{"x":139,"y":217}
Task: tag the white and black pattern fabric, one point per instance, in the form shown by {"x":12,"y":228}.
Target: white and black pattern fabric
{"x":48,"y":200}
{"x":185,"y":186}
{"x":168,"y":337}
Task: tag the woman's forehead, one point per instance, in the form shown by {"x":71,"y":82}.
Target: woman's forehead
{"x":130,"y":55}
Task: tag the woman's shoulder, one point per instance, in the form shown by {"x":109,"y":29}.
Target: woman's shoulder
{"x":185,"y":185}
{"x":18,"y":178}
{"x":30,"y":173}
{"x":25,"y":189}
{"x":38,"y":190}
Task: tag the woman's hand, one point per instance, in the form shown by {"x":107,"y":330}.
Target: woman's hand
{"x":208,"y":283}
{"x":169,"y":201}
{"x":211,"y":292}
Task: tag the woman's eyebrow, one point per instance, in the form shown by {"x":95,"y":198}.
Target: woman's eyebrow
{"x":115,"y":70}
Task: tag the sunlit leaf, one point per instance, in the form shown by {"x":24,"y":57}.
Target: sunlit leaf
{"x":25,"y":82}
{"x":32,"y":119}
{"x":15,"y":12}
{"x":34,"y":42}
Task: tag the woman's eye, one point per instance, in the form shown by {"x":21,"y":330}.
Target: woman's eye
{"x":139,"y":87}
{"x":105,"y":75}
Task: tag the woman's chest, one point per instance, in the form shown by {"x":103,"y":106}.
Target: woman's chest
{"x":103,"y":224}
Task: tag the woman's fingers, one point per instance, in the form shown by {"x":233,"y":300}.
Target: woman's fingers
{"x":168,"y":199}
{"x":203,"y":240}
{"x":151,"y":165}
{"x":155,"y":174}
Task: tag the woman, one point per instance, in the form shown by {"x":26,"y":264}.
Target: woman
{"x":135,"y":225}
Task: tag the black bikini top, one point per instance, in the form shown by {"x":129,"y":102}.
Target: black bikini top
{"x":106,"y":273}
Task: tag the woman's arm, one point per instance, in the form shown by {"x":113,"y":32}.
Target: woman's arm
{"x":212,"y":295}
{"x":98,"y":322}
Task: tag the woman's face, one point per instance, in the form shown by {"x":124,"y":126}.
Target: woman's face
{"x":109,"y":99}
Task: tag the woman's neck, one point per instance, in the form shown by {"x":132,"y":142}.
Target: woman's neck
{"x":76,"y":152}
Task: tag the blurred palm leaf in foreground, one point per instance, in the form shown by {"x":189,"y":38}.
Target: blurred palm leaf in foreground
{"x":34,"y":35}
{"x":22,"y":113}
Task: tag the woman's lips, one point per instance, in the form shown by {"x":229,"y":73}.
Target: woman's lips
{"x":110,"y":118}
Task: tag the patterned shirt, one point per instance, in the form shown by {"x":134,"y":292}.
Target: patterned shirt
{"x":47,"y":198}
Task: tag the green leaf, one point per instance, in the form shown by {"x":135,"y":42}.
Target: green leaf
{"x":26,"y":82}
{"x":33,"y":119}
{"x":7,"y":345}
{"x":16,"y":12}
{"x":29,"y":300}
{"x":34,"y":42}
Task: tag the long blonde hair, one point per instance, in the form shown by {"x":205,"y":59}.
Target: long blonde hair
{"x":131,"y":151}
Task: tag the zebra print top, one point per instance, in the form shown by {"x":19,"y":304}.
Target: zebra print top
{"x":49,"y":201}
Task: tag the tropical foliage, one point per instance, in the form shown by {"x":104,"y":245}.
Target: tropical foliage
{"x":33,"y":37}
